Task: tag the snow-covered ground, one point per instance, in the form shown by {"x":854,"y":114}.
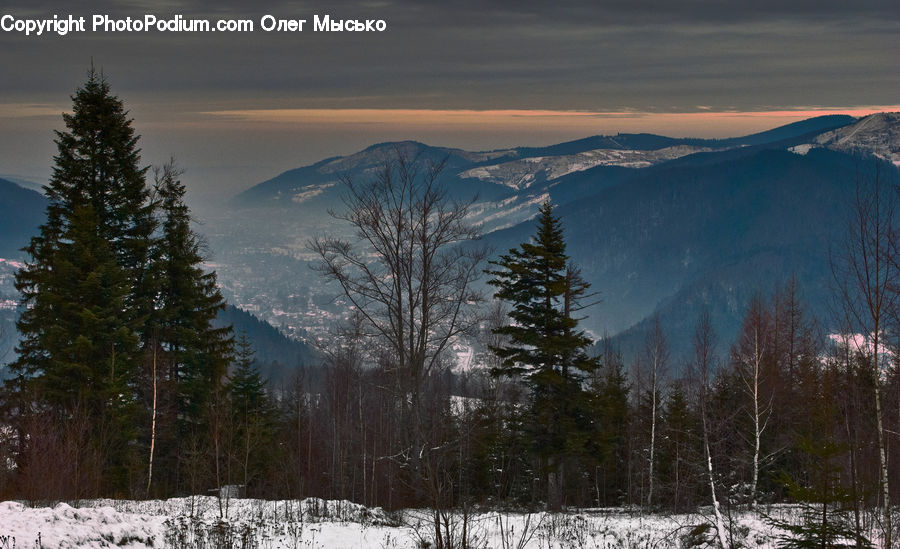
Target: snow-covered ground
{"x":316,"y":523}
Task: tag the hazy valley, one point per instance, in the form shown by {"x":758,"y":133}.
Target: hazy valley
{"x":657,"y":224}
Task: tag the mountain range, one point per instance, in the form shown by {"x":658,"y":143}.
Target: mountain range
{"x":659,"y":225}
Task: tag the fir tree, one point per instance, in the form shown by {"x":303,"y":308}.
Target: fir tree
{"x":609,"y":396}
{"x":195,"y":352}
{"x":82,"y":292}
{"x":253,"y":414}
{"x":188,"y":301}
{"x":545,"y":346}
{"x":677,"y":451}
{"x":99,"y":162}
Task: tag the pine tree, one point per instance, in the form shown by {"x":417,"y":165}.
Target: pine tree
{"x":196,"y":353}
{"x":99,"y":163}
{"x":82,"y":292}
{"x":545,"y":346}
{"x":253,"y":414}
{"x":677,"y":450}
{"x":189,"y":300}
{"x":609,"y":396}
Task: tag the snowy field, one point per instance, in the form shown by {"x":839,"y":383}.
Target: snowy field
{"x":205,"y":522}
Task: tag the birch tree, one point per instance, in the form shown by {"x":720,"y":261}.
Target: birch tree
{"x":866,"y":279}
{"x":656,"y":356}
{"x":703,"y":369}
{"x":749,"y":356}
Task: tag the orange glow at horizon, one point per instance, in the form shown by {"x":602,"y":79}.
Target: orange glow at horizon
{"x":701,"y":123}
{"x":804,"y":112}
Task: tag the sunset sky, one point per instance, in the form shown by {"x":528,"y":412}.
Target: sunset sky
{"x":235,"y":109}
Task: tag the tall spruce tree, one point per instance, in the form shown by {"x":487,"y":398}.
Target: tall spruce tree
{"x":609,"y":442}
{"x":115,"y":275}
{"x":82,"y":290}
{"x":195,"y":353}
{"x":188,"y":302}
{"x":253,"y":414}
{"x":545,"y":346}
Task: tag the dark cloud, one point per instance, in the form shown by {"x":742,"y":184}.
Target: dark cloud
{"x":479,"y":54}
{"x":650,"y":55}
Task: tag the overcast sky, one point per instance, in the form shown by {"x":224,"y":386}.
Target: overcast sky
{"x":235,"y":109}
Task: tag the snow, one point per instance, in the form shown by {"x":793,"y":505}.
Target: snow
{"x":14,"y":264}
{"x":311,"y":192}
{"x":802,"y":150}
{"x":478,"y":173}
{"x":204,"y":521}
{"x":505,"y":215}
{"x":66,"y":526}
{"x":863,"y":343}
{"x":522,"y":173}
{"x":877,"y":134}
{"x":464,"y":356}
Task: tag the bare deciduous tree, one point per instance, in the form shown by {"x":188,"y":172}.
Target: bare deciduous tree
{"x":656,"y":357}
{"x":748,"y":355}
{"x":409,"y":273}
{"x":702,"y":370}
{"x":866,"y":277}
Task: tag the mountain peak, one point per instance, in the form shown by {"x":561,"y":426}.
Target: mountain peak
{"x":877,"y":134}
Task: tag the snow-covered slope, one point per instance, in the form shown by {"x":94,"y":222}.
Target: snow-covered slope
{"x":877,"y":134}
{"x":315,"y":523}
{"x":523,"y":173}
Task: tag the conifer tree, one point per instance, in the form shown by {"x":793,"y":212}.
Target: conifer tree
{"x":609,"y":396}
{"x":253,"y":414}
{"x":187,"y":300}
{"x":677,"y":450}
{"x":545,"y":346}
{"x":114,"y":270}
{"x":82,"y":288}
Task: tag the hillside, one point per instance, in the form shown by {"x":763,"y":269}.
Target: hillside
{"x":21,"y":212}
{"x":658,"y":223}
{"x":276,"y":354}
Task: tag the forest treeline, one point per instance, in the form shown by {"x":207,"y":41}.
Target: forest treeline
{"x":123,"y":386}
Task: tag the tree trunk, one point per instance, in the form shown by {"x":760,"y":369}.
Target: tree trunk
{"x":152,"y":426}
{"x":652,"y":434}
{"x":554,"y":485}
{"x":677,"y":475}
{"x":720,"y":522}
{"x":756,"y":430}
{"x":854,"y":483}
{"x":882,"y":453}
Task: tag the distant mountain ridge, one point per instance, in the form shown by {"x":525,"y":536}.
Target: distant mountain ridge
{"x":302,"y":184}
{"x":315,"y":181}
{"x":659,"y":225}
{"x":275,"y":353}
{"x":649,"y":141}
